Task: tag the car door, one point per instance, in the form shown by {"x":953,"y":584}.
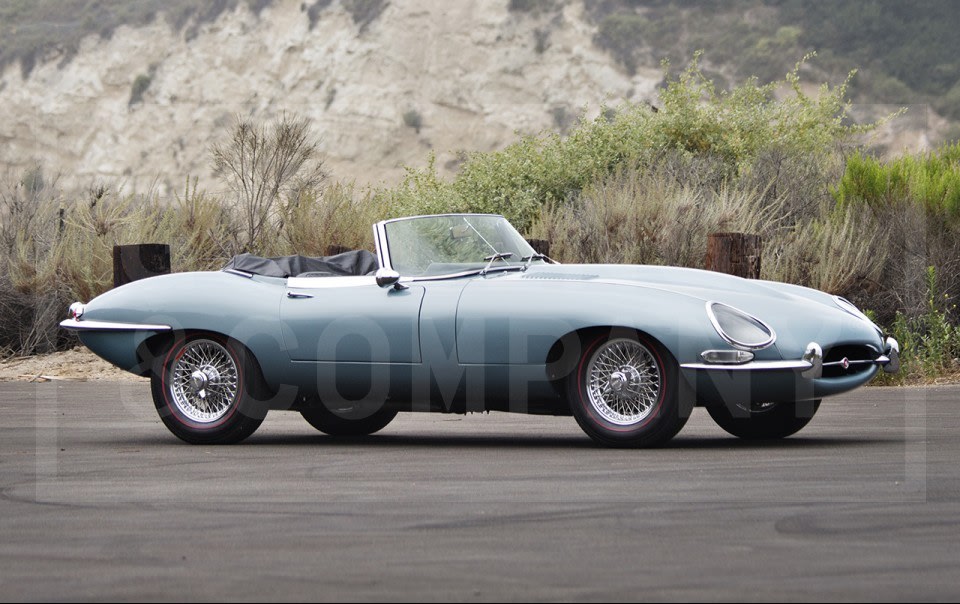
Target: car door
{"x":350,"y":320}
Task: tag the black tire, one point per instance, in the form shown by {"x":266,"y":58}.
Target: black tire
{"x":354,"y":421}
{"x":208,"y":390}
{"x":766,"y":421}
{"x":633,"y":403}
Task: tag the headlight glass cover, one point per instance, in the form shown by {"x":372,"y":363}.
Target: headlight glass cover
{"x":738,"y":328}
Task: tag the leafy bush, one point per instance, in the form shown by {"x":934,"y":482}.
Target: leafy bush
{"x":694,"y":120}
{"x":532,"y":6}
{"x":413,"y":119}
{"x":919,"y":196}
{"x":929,"y":342}
{"x":931,"y":180}
{"x":140,"y":86}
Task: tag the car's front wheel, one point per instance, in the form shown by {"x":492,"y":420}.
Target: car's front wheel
{"x":625,"y":392}
{"x":208,"y":390}
{"x":764,"y":421}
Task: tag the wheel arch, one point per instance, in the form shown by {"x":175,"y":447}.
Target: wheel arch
{"x":156,"y":346}
{"x":565,"y":353}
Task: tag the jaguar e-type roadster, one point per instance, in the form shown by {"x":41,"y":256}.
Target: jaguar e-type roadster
{"x":456,"y":314}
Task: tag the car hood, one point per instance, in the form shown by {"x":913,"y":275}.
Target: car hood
{"x":798,"y":314}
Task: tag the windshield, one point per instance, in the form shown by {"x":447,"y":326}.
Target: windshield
{"x":443,"y":245}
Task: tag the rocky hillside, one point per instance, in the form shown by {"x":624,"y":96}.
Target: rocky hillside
{"x":383,"y":87}
{"x":143,"y":106}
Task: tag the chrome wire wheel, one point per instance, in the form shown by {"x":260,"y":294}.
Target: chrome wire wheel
{"x":624,"y":381}
{"x":204,"y":381}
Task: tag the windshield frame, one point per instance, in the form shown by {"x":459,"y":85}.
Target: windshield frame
{"x":382,"y":242}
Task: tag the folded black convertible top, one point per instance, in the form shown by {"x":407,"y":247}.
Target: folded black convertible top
{"x":355,"y":262}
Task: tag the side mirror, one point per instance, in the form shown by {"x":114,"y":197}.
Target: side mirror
{"x":388,"y":278}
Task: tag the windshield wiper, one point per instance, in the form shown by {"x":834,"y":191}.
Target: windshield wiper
{"x":537,"y":256}
{"x":491,"y":259}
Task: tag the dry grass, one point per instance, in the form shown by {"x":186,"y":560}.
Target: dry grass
{"x":648,"y":217}
{"x":56,"y":250}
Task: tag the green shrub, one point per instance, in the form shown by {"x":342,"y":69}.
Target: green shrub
{"x":413,"y":119}
{"x":532,"y":6}
{"x":694,"y":119}
{"x":930,"y":342}
{"x":140,"y":86}
{"x":930,"y":180}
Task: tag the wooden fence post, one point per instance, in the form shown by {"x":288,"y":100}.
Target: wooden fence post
{"x":540,"y":246}
{"x":139,"y":261}
{"x":333,"y":250}
{"x":734,"y":253}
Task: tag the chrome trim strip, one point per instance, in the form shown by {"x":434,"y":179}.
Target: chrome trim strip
{"x":239,"y":273}
{"x":470,"y":273}
{"x":741,"y":345}
{"x":110,"y":326}
{"x":752,"y":366}
{"x":380,"y":241}
{"x":879,"y":360}
{"x":388,"y":221}
{"x":330,"y":282}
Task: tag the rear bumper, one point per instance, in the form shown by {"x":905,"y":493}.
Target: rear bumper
{"x":114,"y":341}
{"x":81,"y":325}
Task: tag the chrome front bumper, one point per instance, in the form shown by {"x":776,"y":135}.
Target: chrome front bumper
{"x":811,"y":364}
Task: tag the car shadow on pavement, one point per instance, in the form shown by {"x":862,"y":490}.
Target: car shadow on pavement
{"x":502,"y":441}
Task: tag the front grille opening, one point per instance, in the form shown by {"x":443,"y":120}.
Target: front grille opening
{"x":852,"y":353}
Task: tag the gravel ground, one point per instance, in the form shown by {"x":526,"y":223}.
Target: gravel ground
{"x":78,"y":364}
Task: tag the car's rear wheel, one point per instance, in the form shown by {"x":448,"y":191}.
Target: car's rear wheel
{"x":764,"y":421}
{"x":355,"y":420}
{"x":207,"y":390}
{"x":625,"y":392}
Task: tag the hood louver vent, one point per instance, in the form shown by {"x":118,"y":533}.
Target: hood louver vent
{"x":559,"y":276}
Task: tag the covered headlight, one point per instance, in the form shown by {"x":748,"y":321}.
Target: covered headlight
{"x":738,"y":328}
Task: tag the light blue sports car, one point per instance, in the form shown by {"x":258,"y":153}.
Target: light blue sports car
{"x":457,"y":313}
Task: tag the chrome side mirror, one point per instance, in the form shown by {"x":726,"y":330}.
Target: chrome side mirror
{"x":389,"y":278}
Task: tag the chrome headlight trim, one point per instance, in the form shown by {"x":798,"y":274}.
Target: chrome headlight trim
{"x":742,"y":345}
{"x":850,"y":308}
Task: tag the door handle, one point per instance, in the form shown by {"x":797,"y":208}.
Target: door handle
{"x":298,"y":296}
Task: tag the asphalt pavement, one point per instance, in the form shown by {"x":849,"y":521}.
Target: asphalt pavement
{"x":99,"y":502}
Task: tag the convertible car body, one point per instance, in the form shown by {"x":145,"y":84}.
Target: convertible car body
{"x":457,"y":313}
